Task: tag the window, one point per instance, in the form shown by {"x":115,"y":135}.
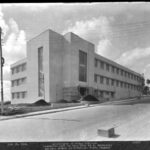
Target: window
{"x":12,"y":70}
{"x":17,"y":69}
{"x":112,"y":82}
{"x":17,"y":81}
{"x":112,"y":94}
{"x":107,"y":81}
{"x":101,"y":79}
{"x":40,"y":72}
{"x":23,"y":80}
{"x":125,"y":85}
{"x":95,"y":78}
{"x":122,"y":72}
{"x":121,"y":84}
{"x":107,"y":67}
{"x":101,"y":93}
{"x":134,"y":77}
{"x":12,"y":83}
{"x":113,"y":69}
{"x":107,"y":93}
{"x":117,"y":70}
{"x":24,"y":94}
{"x":128,"y":86}
{"x":128,"y":75}
{"x":125,"y":73}
{"x":96,"y":62}
{"x":82,"y":66}
{"x":23,"y":67}
{"x":13,"y":95}
{"x":18,"y":95}
{"x":117,"y":83}
{"x":102,"y":65}
{"x":96,"y":92}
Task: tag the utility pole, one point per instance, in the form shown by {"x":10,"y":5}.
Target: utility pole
{"x":1,"y":73}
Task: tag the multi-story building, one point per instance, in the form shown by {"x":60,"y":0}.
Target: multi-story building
{"x":19,"y":81}
{"x":66,"y":67}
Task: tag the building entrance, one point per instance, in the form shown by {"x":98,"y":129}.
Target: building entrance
{"x":83,"y":91}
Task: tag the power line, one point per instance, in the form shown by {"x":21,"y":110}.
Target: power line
{"x":131,"y":33}
{"x":127,"y":33}
{"x":131,"y":24}
{"x":130,"y":28}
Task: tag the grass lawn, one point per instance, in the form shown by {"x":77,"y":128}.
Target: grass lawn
{"x":14,"y":109}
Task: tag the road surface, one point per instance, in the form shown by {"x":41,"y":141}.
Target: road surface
{"x":131,"y":122}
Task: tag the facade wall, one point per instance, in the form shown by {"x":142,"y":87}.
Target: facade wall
{"x":19,"y":82}
{"x":73,"y":44}
{"x":71,"y":76}
{"x":120,"y":91}
{"x":56,"y":44}
{"x":53,"y":46}
{"x":61,"y":70}
{"x":41,"y":40}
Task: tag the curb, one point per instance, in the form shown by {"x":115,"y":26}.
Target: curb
{"x":64,"y":109}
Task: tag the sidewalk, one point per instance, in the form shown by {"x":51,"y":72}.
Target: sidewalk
{"x":69,"y":108}
{"x":125,"y":101}
{"x":41,"y":112}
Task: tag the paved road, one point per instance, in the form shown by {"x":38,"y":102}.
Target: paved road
{"x":132,"y":122}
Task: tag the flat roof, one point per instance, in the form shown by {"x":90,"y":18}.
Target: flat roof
{"x":18,"y":62}
{"x":113,"y":63}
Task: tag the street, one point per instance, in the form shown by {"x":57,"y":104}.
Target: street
{"x":131,"y":122}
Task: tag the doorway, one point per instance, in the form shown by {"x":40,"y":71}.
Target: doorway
{"x":83,"y":91}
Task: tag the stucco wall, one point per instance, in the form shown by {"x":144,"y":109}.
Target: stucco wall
{"x":71,"y":76}
{"x":41,"y":40}
{"x":56,"y":66}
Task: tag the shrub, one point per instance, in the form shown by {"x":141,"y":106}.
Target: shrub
{"x":90,"y":98}
{"x":7,"y":102}
{"x":14,"y":111}
{"x":41,"y":102}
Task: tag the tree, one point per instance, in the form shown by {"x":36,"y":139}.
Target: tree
{"x":148,"y":81}
{"x":145,"y":90}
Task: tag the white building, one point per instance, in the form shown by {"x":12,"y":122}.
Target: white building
{"x":66,"y":67}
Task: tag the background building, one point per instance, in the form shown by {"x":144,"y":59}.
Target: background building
{"x":66,"y":67}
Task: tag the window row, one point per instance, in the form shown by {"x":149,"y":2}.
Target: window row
{"x":113,"y":82}
{"x":102,"y":94}
{"x":17,"y":95}
{"x":18,"y":82}
{"x":113,"y":69}
{"x":18,"y":68}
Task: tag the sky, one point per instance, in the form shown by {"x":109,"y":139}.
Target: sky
{"x":120,"y":31}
